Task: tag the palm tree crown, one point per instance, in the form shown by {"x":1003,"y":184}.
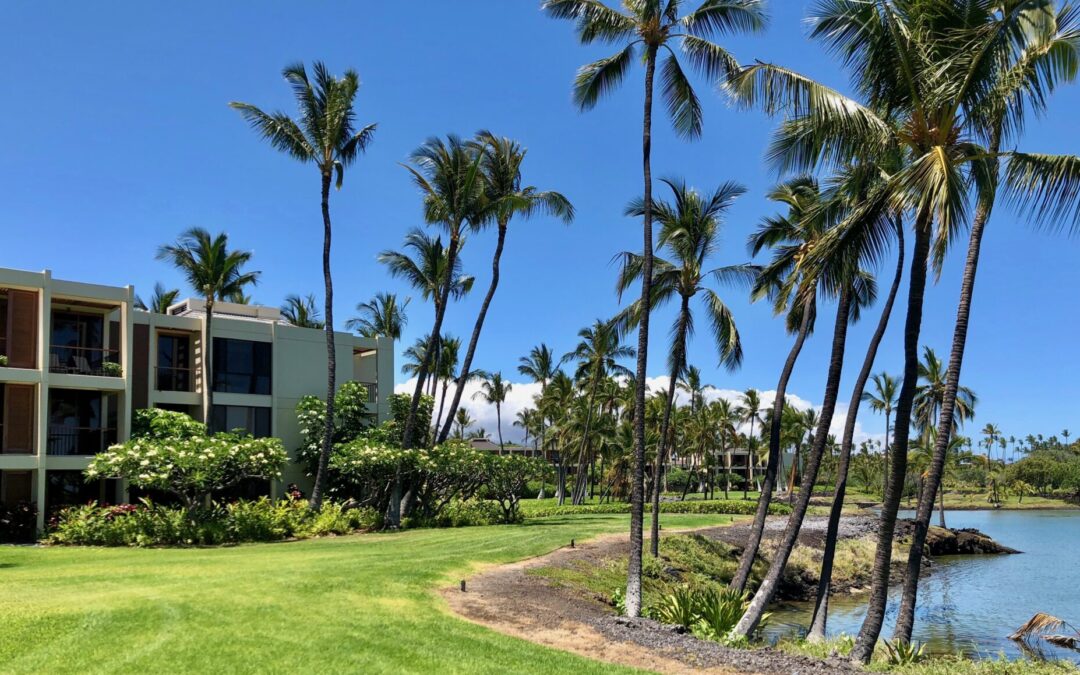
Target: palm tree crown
{"x":301,"y":311}
{"x":382,"y":316}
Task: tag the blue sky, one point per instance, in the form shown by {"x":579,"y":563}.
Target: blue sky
{"x":118,"y":136}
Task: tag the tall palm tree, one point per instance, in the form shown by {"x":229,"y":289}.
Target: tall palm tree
{"x":238,"y":298}
{"x":382,"y":316}
{"x":463,"y":421}
{"x":446,"y":371}
{"x":930,"y":395}
{"x":749,"y":412}
{"x":941,"y":74}
{"x":886,"y":387}
{"x":505,"y":197}
{"x":883,"y":400}
{"x":598,"y":355}
{"x":161,"y":300}
{"x":793,"y":292}
{"x":690,"y":231}
{"x":301,"y":311}
{"x":448,"y":176}
{"x":725,"y":420}
{"x":325,"y":135}
{"x":214,"y":272}
{"x":653,"y":27}
{"x":540,"y":366}
{"x":493,"y":391}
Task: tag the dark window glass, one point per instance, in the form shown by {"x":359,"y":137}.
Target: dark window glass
{"x":253,"y":420}
{"x":3,"y":324}
{"x":242,"y":366}
{"x":174,"y":363}
{"x":76,"y":424}
{"x":78,"y":343}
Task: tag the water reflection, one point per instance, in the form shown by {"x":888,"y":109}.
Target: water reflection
{"x":972,"y":603}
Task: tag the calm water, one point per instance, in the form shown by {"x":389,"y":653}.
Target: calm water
{"x":971,"y":603}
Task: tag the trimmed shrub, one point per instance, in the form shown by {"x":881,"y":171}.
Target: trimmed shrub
{"x":718,"y":506}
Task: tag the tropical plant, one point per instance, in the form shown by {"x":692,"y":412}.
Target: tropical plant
{"x":324,"y":134}
{"x":382,"y":316}
{"x":690,"y":230}
{"x":301,"y":311}
{"x":160,"y":301}
{"x":883,"y":400}
{"x":493,"y":391}
{"x":749,"y":411}
{"x":652,"y":27}
{"x":463,"y":421}
{"x":214,"y":272}
{"x":504,"y":198}
{"x":448,"y":176}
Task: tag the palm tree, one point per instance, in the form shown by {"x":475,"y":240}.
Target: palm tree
{"x":505,"y":197}
{"x":324,"y":135}
{"x":238,"y":298}
{"x":748,"y":412}
{"x":598,"y":356}
{"x":214,"y":272}
{"x":493,"y":391}
{"x":445,"y":371}
{"x":793,"y":292}
{"x":930,"y":395}
{"x":382,"y":316}
{"x":943,"y":74}
{"x":162,"y":299}
{"x":725,"y":420}
{"x":689,"y":236}
{"x":653,"y":27}
{"x":883,"y":401}
{"x":886,"y":387}
{"x":447,"y":174}
{"x":540,"y":366}
{"x":301,"y":311}
{"x":463,"y":421}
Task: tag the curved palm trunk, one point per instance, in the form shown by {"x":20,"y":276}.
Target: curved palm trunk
{"x":746,"y":560}
{"x":331,"y":355}
{"x":466,"y":365}
{"x":879,"y":588}
{"x":498,"y":425}
{"x":749,"y":464}
{"x":767,"y":590}
{"x":906,"y":619}
{"x":637,"y":490}
{"x":885,"y":471}
{"x":442,"y":402}
{"x":941,"y":510}
{"x":678,"y":354}
{"x":436,"y":330}
{"x":821,"y":608}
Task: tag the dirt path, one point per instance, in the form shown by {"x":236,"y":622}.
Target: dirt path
{"x":511,"y":601}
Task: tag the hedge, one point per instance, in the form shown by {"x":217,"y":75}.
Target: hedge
{"x":721,"y":506}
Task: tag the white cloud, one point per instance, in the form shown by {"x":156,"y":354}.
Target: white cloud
{"x":522,"y":394}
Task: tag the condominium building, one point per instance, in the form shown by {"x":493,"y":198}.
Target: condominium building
{"x":81,"y":358}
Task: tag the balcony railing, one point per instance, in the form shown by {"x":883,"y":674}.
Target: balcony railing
{"x":175,"y":379}
{"x":85,"y":361}
{"x":372,"y":391}
{"x":65,"y":440}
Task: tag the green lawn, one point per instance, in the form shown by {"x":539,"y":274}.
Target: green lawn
{"x":351,"y":604}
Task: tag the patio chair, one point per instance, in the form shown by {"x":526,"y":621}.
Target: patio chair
{"x":82,"y":366}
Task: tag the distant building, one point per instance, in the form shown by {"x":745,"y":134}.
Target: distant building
{"x":488,"y":445}
{"x":81,"y":359}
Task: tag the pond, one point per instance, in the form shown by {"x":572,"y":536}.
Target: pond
{"x":971,"y":604}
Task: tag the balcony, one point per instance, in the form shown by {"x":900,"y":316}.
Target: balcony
{"x":65,"y":440}
{"x":74,"y":360}
{"x":174,"y":379}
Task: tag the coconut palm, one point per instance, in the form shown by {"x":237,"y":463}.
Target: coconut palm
{"x":448,"y":176}
{"x":463,"y":421}
{"x":653,"y":27}
{"x":493,"y":391}
{"x":505,"y":197}
{"x":930,"y":395}
{"x":162,"y":299}
{"x":325,"y":135}
{"x":540,"y":366}
{"x":598,"y":355}
{"x":749,"y":412}
{"x":793,"y":292}
{"x":943,"y":71}
{"x":214,"y":272}
{"x":382,"y":316}
{"x":883,"y":400}
{"x":301,"y":311}
{"x":690,"y":231}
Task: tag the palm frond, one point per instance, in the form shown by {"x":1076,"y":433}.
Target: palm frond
{"x":599,"y":78}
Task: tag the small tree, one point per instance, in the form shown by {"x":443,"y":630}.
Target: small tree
{"x":191,"y":468}
{"x":351,"y":419}
{"x":508,"y":476}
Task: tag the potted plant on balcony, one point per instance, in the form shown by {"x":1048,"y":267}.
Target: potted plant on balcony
{"x":111,"y":369}
{"x":3,"y":361}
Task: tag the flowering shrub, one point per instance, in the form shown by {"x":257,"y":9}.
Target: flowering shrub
{"x":505,"y":478}
{"x":157,"y":424}
{"x":18,"y":523}
{"x":149,"y":524}
{"x":190,"y":468}
{"x":351,"y":419}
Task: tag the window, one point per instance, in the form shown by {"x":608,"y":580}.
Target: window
{"x":173,"y":363}
{"x":81,"y":422}
{"x":242,"y":366}
{"x":255,"y":421}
